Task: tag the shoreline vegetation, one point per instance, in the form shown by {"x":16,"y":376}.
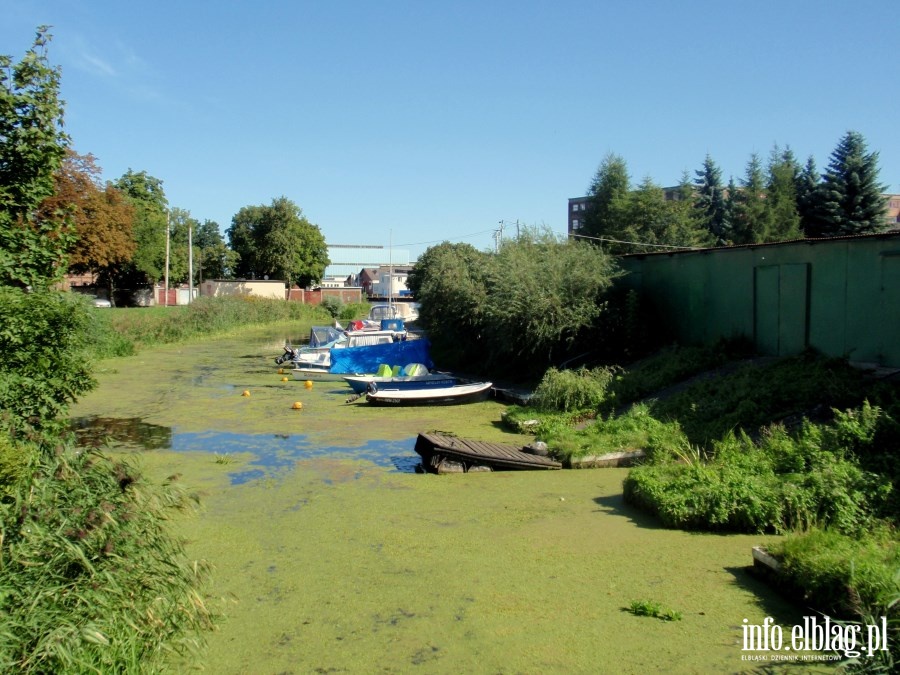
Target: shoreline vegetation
{"x":806,"y":447}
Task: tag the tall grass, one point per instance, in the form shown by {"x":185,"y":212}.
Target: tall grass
{"x":90,"y":578}
{"x":123,"y":331}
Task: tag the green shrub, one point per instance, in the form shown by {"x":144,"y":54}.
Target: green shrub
{"x":44,"y":364}
{"x":634,"y":430}
{"x":845,"y":573}
{"x":332,"y":305}
{"x":572,"y":390}
{"x":780,"y":483}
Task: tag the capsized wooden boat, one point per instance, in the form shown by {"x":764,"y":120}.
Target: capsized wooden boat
{"x":458,"y":393}
{"x":441,"y":453}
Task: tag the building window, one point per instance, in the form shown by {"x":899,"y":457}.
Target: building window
{"x":575,"y":224}
{"x":574,"y":208}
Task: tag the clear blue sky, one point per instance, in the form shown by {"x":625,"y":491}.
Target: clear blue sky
{"x":417,"y":122}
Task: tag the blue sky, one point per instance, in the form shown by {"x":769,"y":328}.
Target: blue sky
{"x":417,"y":122}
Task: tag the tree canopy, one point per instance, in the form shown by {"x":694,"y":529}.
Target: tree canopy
{"x":149,"y":226}
{"x":514,"y":310}
{"x":32,"y":147}
{"x":849,"y":198}
{"x":101,"y":215}
{"x":277,"y":241}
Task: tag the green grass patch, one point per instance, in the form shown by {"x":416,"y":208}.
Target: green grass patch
{"x":120,"y":332}
{"x":653,"y":609}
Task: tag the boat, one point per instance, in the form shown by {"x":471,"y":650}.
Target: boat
{"x":338,"y":362}
{"x":411,"y":376}
{"x":322,"y":339}
{"x":458,"y":393}
{"x":441,"y":453}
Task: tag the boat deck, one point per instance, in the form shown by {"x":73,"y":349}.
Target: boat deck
{"x":435,"y":448}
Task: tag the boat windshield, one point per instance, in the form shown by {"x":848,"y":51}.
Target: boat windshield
{"x":320,"y":336}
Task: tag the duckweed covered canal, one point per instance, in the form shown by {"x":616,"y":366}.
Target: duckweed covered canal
{"x":331,"y":554}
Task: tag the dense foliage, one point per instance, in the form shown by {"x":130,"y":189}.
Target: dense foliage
{"x":513,"y":311}
{"x":43,"y":348}
{"x":32,"y":146}
{"x":279,"y":242}
{"x":776,"y":202}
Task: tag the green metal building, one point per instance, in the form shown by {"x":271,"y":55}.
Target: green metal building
{"x":838,"y":296}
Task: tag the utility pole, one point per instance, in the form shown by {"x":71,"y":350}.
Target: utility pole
{"x":166,"y":291}
{"x":190,"y":263}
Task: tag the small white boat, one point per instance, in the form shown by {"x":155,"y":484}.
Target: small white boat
{"x":458,"y":393}
{"x":411,"y":376}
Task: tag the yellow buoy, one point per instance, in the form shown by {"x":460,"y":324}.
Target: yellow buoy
{"x":281,"y":371}
{"x":297,"y":405}
{"x":308,"y":384}
{"x":246,"y":392}
{"x":284,"y":379}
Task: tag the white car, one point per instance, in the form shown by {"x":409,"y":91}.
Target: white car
{"x":100,"y":302}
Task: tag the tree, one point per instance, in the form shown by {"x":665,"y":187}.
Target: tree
{"x":807,"y":184}
{"x":782,"y":217}
{"x":448,"y":282}
{"x":278,"y":241}
{"x":849,"y":199}
{"x":216,"y":260}
{"x":608,"y":193}
{"x":150,"y":205}
{"x":748,"y":222}
{"x":710,"y":202}
{"x":32,"y":147}
{"x":101,"y":215}
{"x":512,"y":311}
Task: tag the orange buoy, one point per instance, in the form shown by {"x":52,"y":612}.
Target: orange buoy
{"x":308,"y":384}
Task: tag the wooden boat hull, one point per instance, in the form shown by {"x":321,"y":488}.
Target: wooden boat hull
{"x":457,"y":394}
{"x":448,"y":454}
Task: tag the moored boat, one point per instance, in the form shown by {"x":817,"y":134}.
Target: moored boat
{"x":458,"y":393}
{"x":412,"y":376}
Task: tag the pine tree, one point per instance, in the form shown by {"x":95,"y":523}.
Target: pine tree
{"x":710,"y":202}
{"x":849,"y":199}
{"x":782,"y":218}
{"x":748,"y":224}
{"x":806,"y":186}
{"x":608,"y":200}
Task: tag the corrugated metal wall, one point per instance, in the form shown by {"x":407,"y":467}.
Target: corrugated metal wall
{"x":839,"y":296}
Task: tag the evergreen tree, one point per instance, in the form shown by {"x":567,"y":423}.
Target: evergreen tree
{"x":849,"y":199}
{"x":807,"y":185}
{"x":608,"y":199}
{"x":748,"y":225}
{"x":710,"y":202}
{"x":781,"y":215}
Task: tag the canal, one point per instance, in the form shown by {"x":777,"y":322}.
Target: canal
{"x":331,"y":554}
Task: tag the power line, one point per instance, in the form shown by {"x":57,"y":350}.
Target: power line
{"x":436,"y":241}
{"x":637,"y":243}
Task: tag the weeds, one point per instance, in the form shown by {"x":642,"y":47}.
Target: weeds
{"x":654,"y":609}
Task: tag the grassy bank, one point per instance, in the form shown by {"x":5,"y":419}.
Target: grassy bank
{"x":804,"y":446}
{"x":121,"y":332}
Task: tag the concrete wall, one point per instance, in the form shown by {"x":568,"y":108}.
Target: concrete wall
{"x":257,"y":288}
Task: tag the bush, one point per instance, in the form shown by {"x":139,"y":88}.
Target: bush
{"x":635,"y":430}
{"x":572,"y":390}
{"x":784,"y":482}
{"x":332,"y":305}
{"x":44,"y":364}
